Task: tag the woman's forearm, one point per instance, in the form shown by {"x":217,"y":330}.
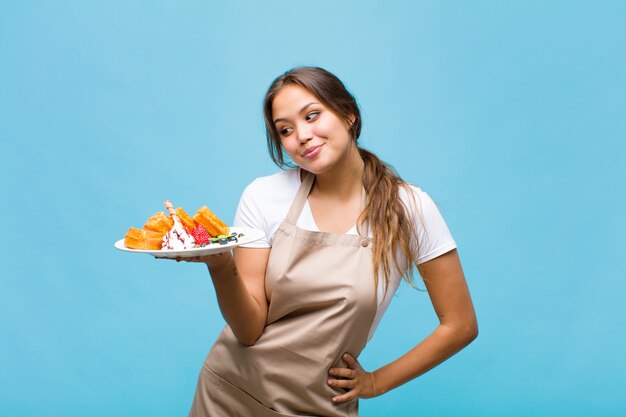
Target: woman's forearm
{"x":441,"y":344}
{"x":240,"y":310}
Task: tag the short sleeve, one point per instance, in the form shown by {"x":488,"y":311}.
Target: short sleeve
{"x":434,"y":237}
{"x":248,"y":214}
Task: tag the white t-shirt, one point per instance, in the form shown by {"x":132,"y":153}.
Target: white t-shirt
{"x":265,"y":202}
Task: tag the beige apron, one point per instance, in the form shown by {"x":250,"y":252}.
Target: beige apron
{"x":322,"y":303}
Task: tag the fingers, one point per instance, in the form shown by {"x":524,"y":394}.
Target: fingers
{"x":347,"y":381}
{"x":342,"y":372}
{"x":350,"y":395}
{"x":342,"y":383}
{"x":353,"y":379}
{"x":349,"y":360}
{"x":167,"y":258}
{"x":177,"y":259}
{"x":202,"y":259}
{"x":347,"y":384}
{"x":350,"y":372}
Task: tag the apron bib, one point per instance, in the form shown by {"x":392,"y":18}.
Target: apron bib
{"x":322,"y":303}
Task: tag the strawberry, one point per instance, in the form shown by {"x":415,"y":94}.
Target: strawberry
{"x":200,"y":235}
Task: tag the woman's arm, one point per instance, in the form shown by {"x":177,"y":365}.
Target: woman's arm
{"x":457,"y":327}
{"x":239,"y":283}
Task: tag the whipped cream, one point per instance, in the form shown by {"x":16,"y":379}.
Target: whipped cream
{"x":177,"y":238}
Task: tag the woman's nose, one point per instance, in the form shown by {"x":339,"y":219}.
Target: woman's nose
{"x":304,"y":133}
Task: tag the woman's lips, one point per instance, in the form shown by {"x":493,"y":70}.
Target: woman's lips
{"x":312,"y":152}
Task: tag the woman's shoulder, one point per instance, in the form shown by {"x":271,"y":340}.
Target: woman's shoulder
{"x":284,"y":178}
{"x":419,"y":202}
{"x":276,"y":183}
{"x":265,"y":202}
{"x":414,"y":197}
{"x":275,"y":189}
{"x":432,"y":232}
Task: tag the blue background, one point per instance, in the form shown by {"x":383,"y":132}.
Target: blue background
{"x":511,"y":115}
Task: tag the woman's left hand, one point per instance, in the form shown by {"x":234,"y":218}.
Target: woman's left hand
{"x":358,"y":382}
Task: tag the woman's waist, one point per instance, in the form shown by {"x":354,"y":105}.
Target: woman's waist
{"x":277,"y":354}
{"x":279,"y":371}
{"x":276,"y":399}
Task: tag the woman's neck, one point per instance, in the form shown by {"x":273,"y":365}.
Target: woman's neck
{"x":344,"y":180}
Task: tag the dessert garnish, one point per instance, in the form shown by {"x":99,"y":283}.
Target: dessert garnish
{"x":200,"y":235}
{"x":177,"y":238}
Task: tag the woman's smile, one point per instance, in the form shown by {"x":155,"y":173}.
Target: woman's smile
{"x":312,"y":151}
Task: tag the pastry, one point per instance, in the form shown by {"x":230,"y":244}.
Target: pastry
{"x":143,"y":239}
{"x":160,"y":222}
{"x":188,"y":223}
{"x":211,"y":222}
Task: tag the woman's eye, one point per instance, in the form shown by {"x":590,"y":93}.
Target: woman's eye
{"x":284,"y":131}
{"x":312,"y":115}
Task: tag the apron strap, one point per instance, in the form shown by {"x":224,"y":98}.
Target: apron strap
{"x":365,"y":225}
{"x":300,"y":199}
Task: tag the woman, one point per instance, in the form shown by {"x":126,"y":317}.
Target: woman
{"x":341,"y":230}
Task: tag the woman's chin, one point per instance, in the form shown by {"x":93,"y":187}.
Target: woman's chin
{"x":316,"y":169}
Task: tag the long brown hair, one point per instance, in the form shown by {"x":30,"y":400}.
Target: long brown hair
{"x":389,"y":219}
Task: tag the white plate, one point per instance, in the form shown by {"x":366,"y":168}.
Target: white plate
{"x":249,"y":235}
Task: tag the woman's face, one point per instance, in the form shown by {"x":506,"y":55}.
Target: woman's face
{"x":313,"y":136}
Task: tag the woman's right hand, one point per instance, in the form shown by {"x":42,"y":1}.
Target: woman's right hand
{"x":211,"y":261}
